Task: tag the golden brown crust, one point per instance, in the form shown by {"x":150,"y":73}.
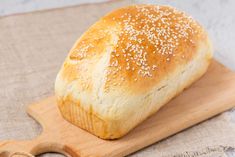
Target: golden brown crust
{"x":167,"y":36}
{"x":131,"y":50}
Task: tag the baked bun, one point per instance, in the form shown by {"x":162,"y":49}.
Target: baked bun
{"x":128,"y":65}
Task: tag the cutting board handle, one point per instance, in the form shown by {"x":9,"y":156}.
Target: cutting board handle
{"x":30,"y":148}
{"x":49,"y":140}
{"x":16,"y":154}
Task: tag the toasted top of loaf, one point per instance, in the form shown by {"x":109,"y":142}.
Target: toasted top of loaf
{"x":136,"y":46}
{"x":130,"y":50}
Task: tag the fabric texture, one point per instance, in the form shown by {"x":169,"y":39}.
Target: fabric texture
{"x":32,"y":49}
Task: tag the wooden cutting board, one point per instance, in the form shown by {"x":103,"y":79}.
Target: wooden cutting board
{"x":211,"y":95}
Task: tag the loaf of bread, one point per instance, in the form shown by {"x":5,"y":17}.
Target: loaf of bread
{"x":128,"y":65}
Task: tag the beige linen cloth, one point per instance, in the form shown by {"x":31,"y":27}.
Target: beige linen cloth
{"x":32,"y":49}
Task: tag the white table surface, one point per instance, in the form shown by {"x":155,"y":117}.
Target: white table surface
{"x":217,"y":16}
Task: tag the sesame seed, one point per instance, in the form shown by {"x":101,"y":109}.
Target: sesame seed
{"x":145,"y":35}
{"x":154,"y":67}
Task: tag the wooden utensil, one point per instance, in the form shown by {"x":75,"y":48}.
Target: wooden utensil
{"x":211,"y":95}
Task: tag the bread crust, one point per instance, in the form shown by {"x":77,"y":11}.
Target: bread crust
{"x":128,"y":65}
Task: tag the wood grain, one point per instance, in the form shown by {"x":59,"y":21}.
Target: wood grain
{"x":211,"y":95}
